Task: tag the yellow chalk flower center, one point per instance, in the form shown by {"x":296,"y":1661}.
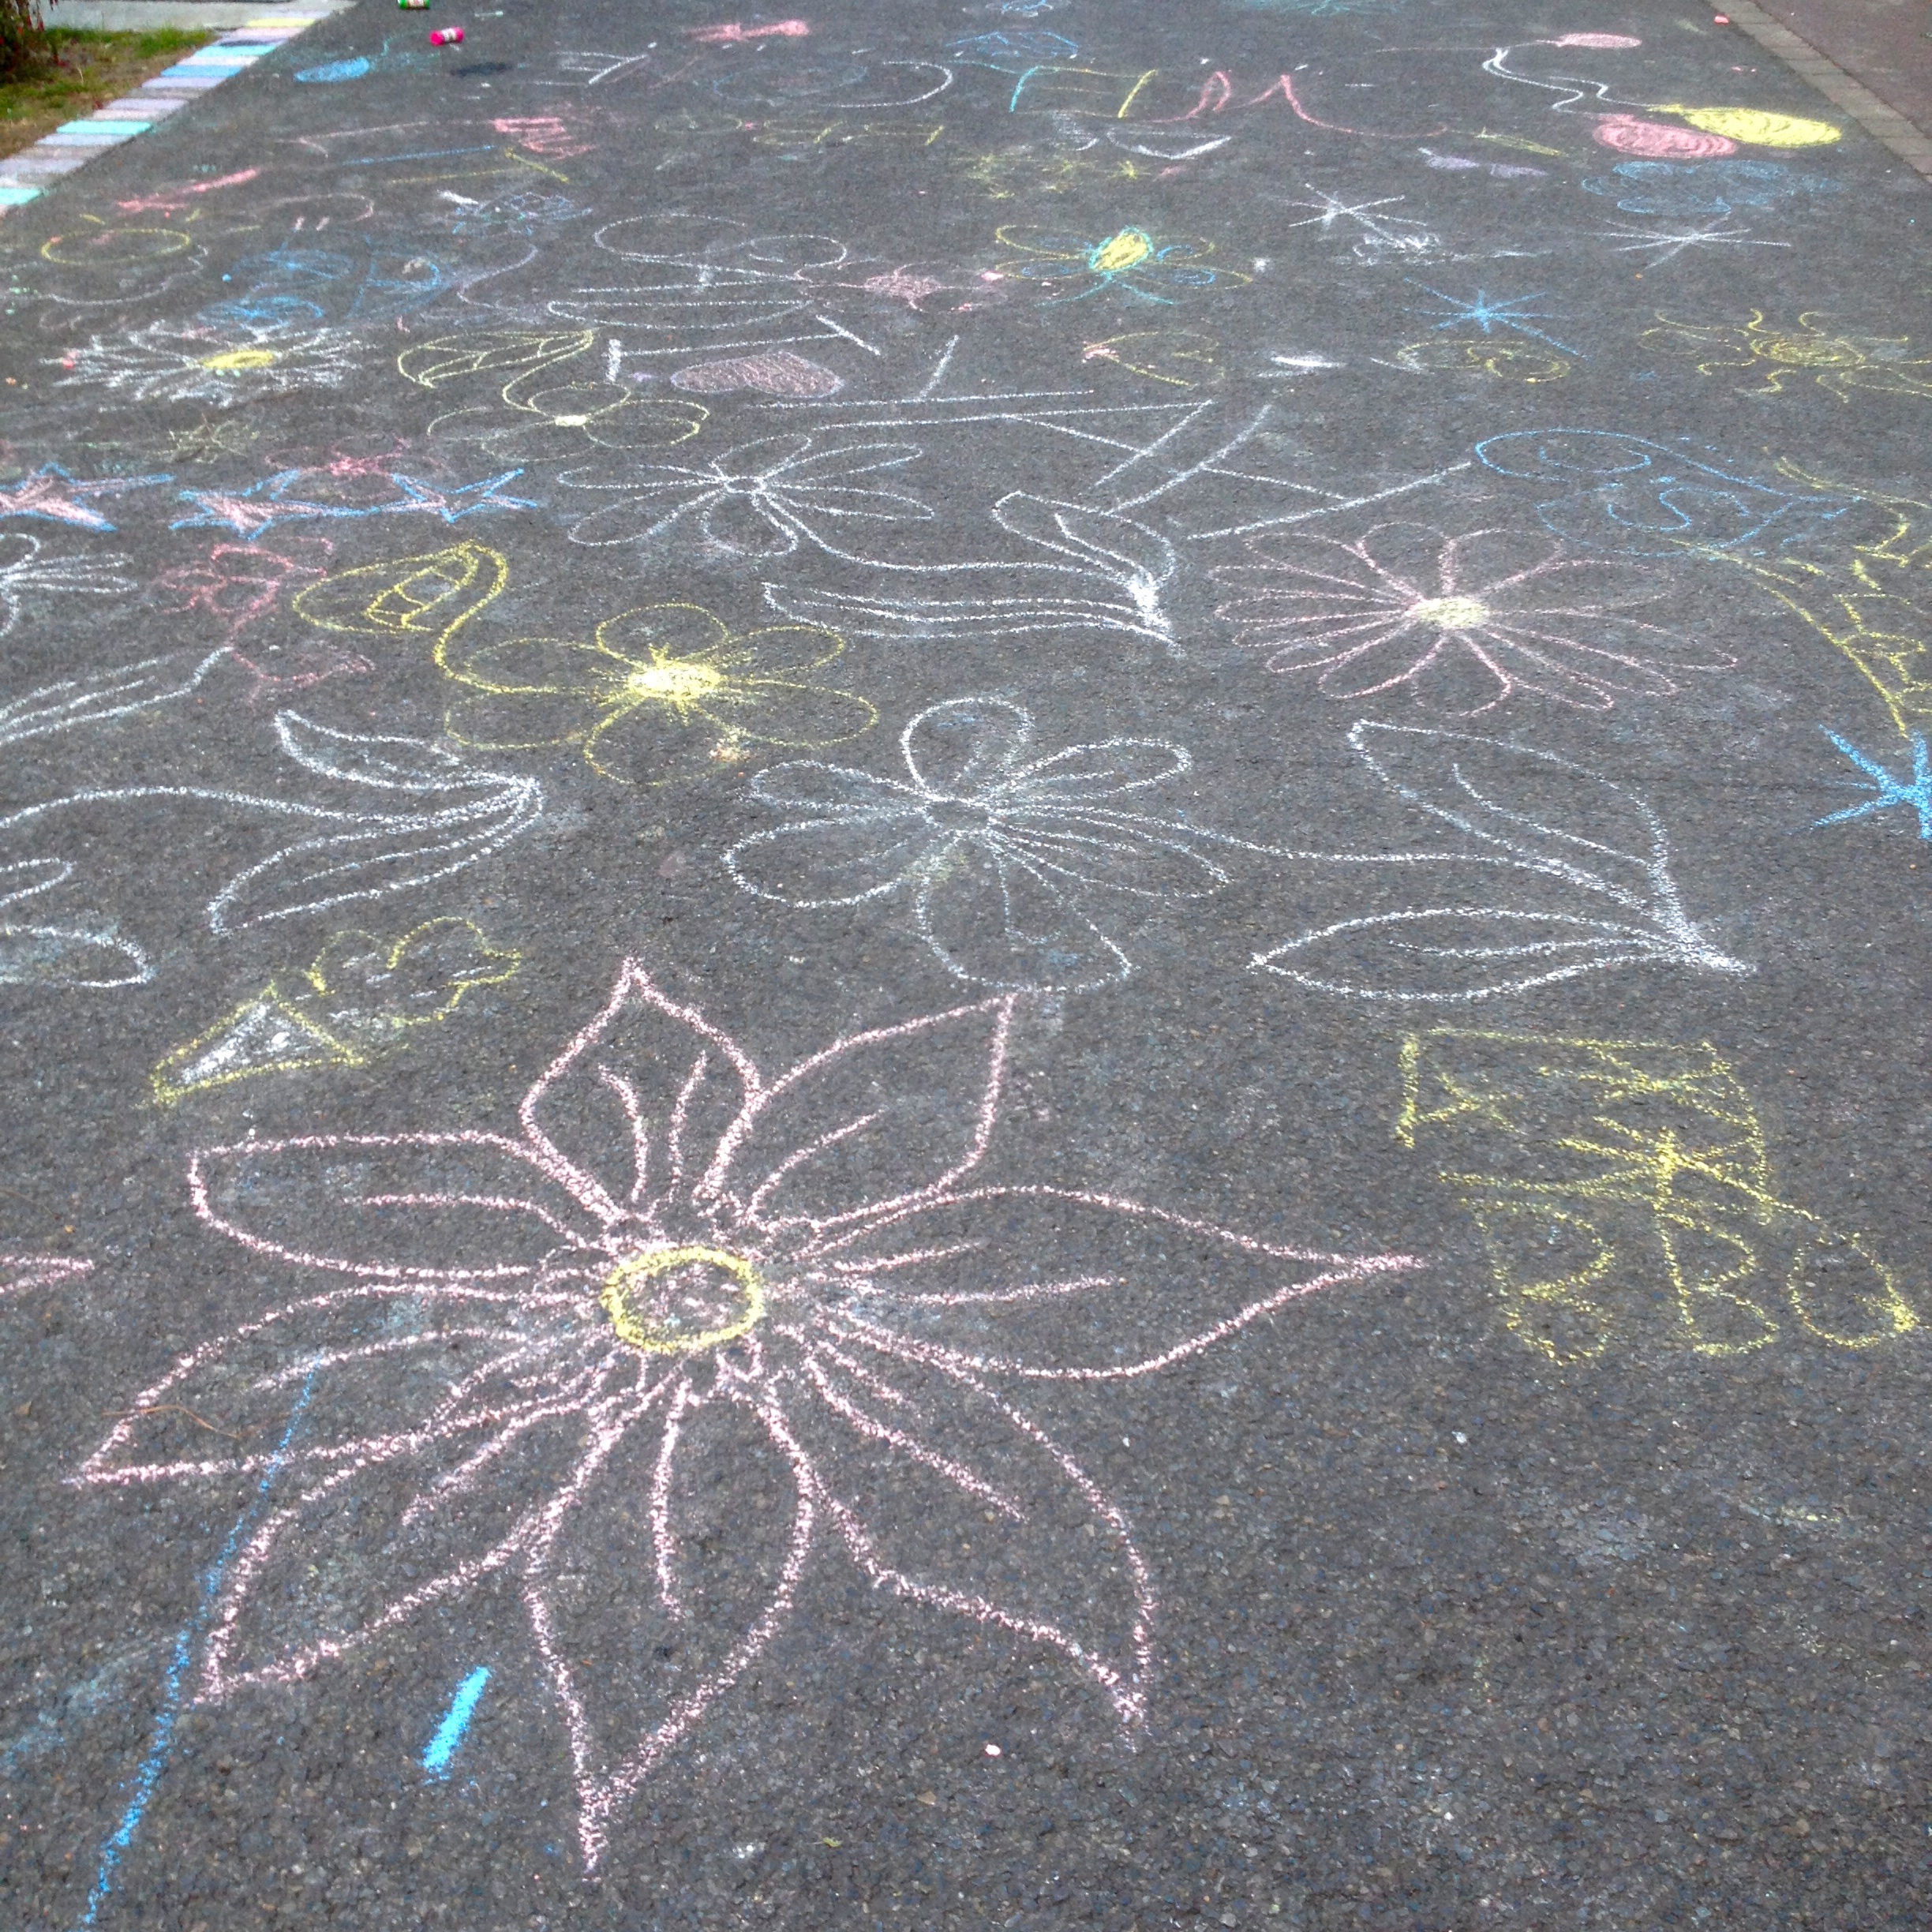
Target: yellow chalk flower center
{"x":1119,"y":253}
{"x":239,"y":359}
{"x":683,"y":1300}
{"x":1449,"y":613}
{"x":1820,"y":353}
{"x":674,"y":681}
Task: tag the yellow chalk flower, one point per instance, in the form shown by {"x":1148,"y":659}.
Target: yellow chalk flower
{"x":664,"y":693}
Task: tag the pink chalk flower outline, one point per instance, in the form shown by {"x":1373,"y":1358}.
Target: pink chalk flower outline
{"x":1493,"y":613}
{"x":684,"y":1296}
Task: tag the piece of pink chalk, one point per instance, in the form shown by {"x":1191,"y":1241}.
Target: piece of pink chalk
{"x":447,"y":36}
{"x":1720,"y":20}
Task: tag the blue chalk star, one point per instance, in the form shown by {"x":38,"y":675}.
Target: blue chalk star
{"x":1489,"y":315}
{"x":1887,"y":791}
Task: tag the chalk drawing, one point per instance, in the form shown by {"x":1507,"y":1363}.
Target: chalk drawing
{"x":170,"y":362}
{"x":1806,"y":353}
{"x":69,"y":703}
{"x":449,"y":1735}
{"x":352,"y":855}
{"x":1148,"y":267}
{"x":174,"y":1686}
{"x":90,"y":956}
{"x":1487,"y":316}
{"x":665,"y":693}
{"x":52,"y":494}
{"x":761,"y":500}
{"x":1889,"y":793}
{"x":1510,"y":361}
{"x":676,"y":1274}
{"x":360,"y":998}
{"x":1663,"y":245}
{"x":431,"y":595}
{"x":1181,"y":358}
{"x":1466,"y":622}
{"x":26,"y":573}
{"x":1372,"y":237}
{"x":1004,"y":857}
{"x":1102,"y":551}
{"x":20,"y":1272}
{"x":777,"y":372}
{"x":1598,"y":855}
{"x":1631,"y":494}
{"x":1624,"y":1191}
{"x":1718,"y":188}
{"x":293,"y":496}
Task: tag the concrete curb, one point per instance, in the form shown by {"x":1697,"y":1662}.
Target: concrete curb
{"x":26,"y":176}
{"x":1885,"y":124}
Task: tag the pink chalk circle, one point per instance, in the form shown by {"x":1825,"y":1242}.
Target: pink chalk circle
{"x":1656,"y":141}
{"x":1592,"y":40}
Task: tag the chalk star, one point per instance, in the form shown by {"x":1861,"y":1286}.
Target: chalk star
{"x":262,"y":505}
{"x":1332,"y":207}
{"x":452,"y":505}
{"x":50,"y":493}
{"x":1887,"y":791}
{"x":1488,"y":316}
{"x":1671,"y":242}
{"x":256,"y":509}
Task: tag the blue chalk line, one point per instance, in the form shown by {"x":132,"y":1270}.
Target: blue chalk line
{"x":155,"y":1762}
{"x":450,"y":1732}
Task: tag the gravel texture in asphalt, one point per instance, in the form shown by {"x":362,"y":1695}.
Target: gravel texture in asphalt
{"x":962,"y":964}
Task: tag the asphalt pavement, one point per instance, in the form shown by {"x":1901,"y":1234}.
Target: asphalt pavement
{"x":962,"y":966}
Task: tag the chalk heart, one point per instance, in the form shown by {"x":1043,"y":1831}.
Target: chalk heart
{"x":780,"y":374}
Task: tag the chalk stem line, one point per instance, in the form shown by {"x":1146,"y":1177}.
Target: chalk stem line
{"x":1353,"y":502}
{"x":161,"y":1744}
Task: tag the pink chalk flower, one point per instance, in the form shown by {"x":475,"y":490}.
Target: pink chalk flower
{"x":685,"y":1329}
{"x":1465,"y":622}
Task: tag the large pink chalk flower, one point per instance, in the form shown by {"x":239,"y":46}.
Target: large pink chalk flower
{"x":645,"y":1355}
{"x":1463,"y":623}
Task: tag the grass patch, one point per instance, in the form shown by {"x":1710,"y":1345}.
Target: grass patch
{"x":87,"y":70}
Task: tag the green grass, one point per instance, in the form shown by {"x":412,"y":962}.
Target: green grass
{"x":87,"y":70}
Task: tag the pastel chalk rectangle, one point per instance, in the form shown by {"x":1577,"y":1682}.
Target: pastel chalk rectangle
{"x":42,"y":159}
{"x":14,"y":194}
{"x":107,"y":125}
{"x":140,"y":107}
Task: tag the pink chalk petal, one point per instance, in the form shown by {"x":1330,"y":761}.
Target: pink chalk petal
{"x":426,"y":1207}
{"x":671,"y":1566}
{"x":1048,"y":1283}
{"x":875,"y":1120}
{"x":379,"y":1365}
{"x":946,"y":1495}
{"x":348,"y":1555}
{"x":632,"y":1109}
{"x":1658,"y":140}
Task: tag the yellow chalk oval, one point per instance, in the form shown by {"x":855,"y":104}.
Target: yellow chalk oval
{"x":1756,"y":128}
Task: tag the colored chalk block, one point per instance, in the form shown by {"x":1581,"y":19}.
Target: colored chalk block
{"x":447,"y":36}
{"x":147,"y":107}
{"x":106,"y":126}
{"x":13,"y":194}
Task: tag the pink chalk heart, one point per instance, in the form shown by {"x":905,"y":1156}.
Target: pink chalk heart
{"x":780,"y":374}
{"x":1656,"y":141}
